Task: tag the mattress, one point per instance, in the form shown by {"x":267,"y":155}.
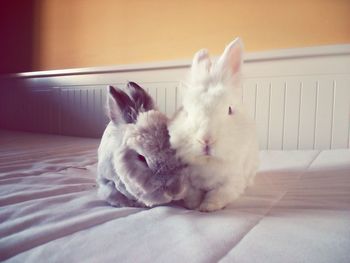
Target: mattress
{"x":298,"y":210}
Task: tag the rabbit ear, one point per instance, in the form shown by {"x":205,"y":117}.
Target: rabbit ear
{"x":201,"y":65}
{"x":230,"y":62}
{"x":142,"y":101}
{"x":120,"y":106}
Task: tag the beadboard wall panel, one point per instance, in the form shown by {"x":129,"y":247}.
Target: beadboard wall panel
{"x":299,"y":98}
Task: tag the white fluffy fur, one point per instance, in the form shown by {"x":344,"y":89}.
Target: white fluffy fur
{"x":221,"y":149}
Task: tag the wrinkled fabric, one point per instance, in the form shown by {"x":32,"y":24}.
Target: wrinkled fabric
{"x":298,"y":210}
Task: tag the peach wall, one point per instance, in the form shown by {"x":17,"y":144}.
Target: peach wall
{"x":85,"y":33}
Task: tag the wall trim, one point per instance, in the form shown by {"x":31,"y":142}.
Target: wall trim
{"x":263,"y":56}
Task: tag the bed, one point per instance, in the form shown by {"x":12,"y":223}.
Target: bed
{"x":298,"y":210}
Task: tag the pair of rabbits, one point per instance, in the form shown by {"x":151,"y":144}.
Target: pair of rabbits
{"x":206,"y":155}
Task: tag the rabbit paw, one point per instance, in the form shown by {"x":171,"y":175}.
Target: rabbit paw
{"x":191,"y":203}
{"x":193,"y":199}
{"x":210,"y":206}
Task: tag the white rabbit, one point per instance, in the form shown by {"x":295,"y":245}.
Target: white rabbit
{"x":136,"y":165}
{"x":213,"y":133}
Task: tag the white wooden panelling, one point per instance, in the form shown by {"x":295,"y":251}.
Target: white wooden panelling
{"x":166,"y":95}
{"x":171,"y":106}
{"x":262,"y":112}
{"x":276,"y":112}
{"x":300,"y":98}
{"x":291,"y":114}
{"x":341,"y":113}
{"x":81,"y":109}
{"x":324,"y":114}
{"x":307,"y":119}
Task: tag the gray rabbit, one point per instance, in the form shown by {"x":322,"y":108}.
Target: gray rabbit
{"x":136,"y":164}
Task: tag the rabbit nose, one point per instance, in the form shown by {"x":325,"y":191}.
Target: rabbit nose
{"x":207,"y":145}
{"x":206,"y":150}
{"x":206,"y":141}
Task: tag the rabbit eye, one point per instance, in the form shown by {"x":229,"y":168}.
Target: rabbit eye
{"x":141,"y":158}
{"x":230,"y":110}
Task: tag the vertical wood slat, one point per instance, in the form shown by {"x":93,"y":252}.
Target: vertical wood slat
{"x":341,"y":113}
{"x":161,"y":98}
{"x":333,"y":107}
{"x":152,"y":91}
{"x":58,"y":102}
{"x":307,"y":121}
{"x":171,"y":100}
{"x":100,"y":110}
{"x":324,"y":114}
{"x":66,"y":111}
{"x":291,"y":118}
{"x":82,"y":116}
{"x":262,"y":112}
{"x":277,"y":92}
{"x":269,"y":118}
{"x":91,"y":114}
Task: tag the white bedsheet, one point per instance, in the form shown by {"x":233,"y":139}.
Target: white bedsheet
{"x":297,"y":211}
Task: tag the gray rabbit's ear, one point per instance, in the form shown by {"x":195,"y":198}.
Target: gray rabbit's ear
{"x":142,"y":100}
{"x":120,"y":106}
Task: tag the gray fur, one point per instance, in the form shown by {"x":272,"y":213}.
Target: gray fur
{"x":137,"y":166}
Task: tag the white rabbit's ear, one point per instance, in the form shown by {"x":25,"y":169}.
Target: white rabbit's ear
{"x":201,"y":65}
{"x":230,"y":62}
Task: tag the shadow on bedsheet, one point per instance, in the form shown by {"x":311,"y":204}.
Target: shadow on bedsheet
{"x":36,"y":210}
{"x":327,"y":188}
